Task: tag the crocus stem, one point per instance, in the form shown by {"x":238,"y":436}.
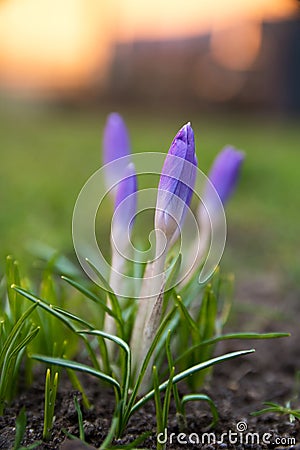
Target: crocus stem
{"x":156,"y":278}
{"x":140,"y":318}
{"x":149,"y":310}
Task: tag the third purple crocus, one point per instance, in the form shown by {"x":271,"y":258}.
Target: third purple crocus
{"x":225,"y":171}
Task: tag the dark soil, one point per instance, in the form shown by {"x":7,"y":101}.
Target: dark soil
{"x":238,"y":388}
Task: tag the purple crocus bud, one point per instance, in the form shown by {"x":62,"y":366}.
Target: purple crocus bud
{"x":225,"y":172}
{"x":176,"y":184}
{"x":116,"y":144}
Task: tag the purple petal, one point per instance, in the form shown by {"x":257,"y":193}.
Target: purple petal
{"x":116,"y":143}
{"x":177,"y":180}
{"x":225,"y":172}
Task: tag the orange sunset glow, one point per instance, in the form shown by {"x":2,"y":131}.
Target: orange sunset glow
{"x":54,"y":44}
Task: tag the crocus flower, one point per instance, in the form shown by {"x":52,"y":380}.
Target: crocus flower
{"x":225,"y":172}
{"x":176,"y":184}
{"x":116,"y":144}
{"x":175,"y":191}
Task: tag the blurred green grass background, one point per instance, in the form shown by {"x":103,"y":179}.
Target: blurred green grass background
{"x":48,"y":154}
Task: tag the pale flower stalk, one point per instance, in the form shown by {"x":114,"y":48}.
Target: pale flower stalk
{"x":122,"y":224}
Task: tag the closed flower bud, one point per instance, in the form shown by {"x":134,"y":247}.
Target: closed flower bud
{"x":116,"y":145}
{"x":176,"y":184}
{"x":225,"y":172}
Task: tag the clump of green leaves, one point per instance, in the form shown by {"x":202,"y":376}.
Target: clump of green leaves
{"x":17,"y":331}
{"x":182,"y":348}
{"x":115,"y":367}
{"x":51,"y":385}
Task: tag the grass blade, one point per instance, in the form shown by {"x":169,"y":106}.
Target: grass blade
{"x":24,"y":342}
{"x":187,"y":319}
{"x":186,"y":373}
{"x":157,"y":401}
{"x":80,"y":420}
{"x":91,"y":296}
{"x":230,"y":336}
{"x":21,"y":421}
{"x":43,"y":304}
{"x":125,"y":347}
{"x":15,"y":333}
{"x":167,"y":399}
{"x":80,"y":368}
{"x":178,"y":404}
{"x":63,"y":316}
{"x":114,"y":301}
{"x":206,"y":398}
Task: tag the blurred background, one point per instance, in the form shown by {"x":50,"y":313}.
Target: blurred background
{"x":231,"y":67}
